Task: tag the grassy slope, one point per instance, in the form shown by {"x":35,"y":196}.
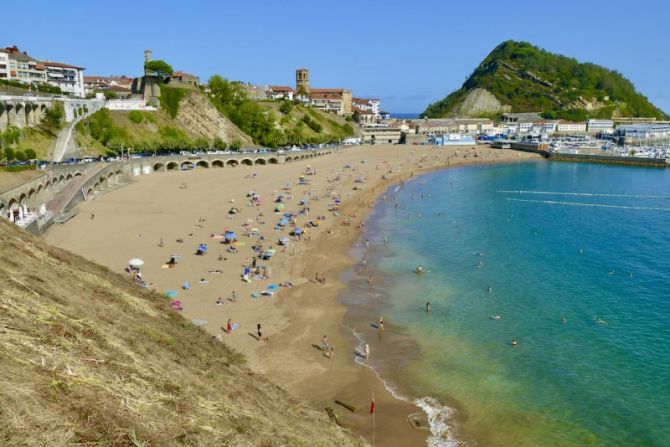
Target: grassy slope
{"x":87,"y":358}
{"x":531,"y":79}
{"x":332,"y":124}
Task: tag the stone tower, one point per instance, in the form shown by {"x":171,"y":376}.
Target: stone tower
{"x":302,"y":81}
{"x":147,"y":55}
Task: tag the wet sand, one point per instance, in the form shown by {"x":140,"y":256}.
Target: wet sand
{"x":129,"y":222}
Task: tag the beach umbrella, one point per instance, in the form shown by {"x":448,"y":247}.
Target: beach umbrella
{"x":272,"y":287}
{"x":171,"y":293}
{"x":229,"y":235}
{"x":135,"y":262}
{"x":284,"y":241}
{"x":297,"y":231}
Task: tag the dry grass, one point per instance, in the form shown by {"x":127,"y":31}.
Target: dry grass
{"x":87,"y":358}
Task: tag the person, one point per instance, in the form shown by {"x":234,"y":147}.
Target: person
{"x":381,"y":323}
{"x":324,"y":343}
{"x":229,"y":326}
{"x":92,"y":216}
{"x":260,"y":334}
{"x":366,"y":350}
{"x":514,"y":342}
{"x":234,"y":298}
{"x":371,"y":280}
{"x":428,"y":307}
{"x":160,"y":244}
{"x":219,"y":302}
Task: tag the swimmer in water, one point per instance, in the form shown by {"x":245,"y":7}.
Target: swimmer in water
{"x":564,"y":320}
{"x":514,"y":342}
{"x":488,"y":289}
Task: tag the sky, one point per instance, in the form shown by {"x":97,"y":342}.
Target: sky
{"x":406,"y":53}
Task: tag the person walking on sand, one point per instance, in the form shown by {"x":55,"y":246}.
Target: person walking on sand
{"x":380,"y":325}
{"x":260,"y":334}
{"x":229,"y":326}
{"x":366,"y":350}
{"x":324,"y":343}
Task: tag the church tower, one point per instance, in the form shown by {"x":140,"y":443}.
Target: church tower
{"x":302,"y":82}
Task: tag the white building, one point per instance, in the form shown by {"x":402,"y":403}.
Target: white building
{"x":280,"y":92}
{"x":594,"y":125}
{"x":569,"y":126}
{"x":128,"y":104}
{"x":4,"y":64}
{"x":371,"y":105}
{"x":24,"y":68}
{"x":69,"y":78}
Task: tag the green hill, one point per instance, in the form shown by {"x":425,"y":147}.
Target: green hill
{"x":89,"y":358}
{"x":519,"y":77}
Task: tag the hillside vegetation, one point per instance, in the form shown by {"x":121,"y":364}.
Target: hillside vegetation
{"x":185,"y":120}
{"x":274,"y":124}
{"x":88,"y":358}
{"x":525,"y":78}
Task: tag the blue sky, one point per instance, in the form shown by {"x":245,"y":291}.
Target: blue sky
{"x":407,"y":53}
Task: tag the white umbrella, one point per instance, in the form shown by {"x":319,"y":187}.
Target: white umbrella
{"x":135,"y":262}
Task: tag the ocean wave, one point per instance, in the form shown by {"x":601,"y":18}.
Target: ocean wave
{"x":439,"y":416}
{"x":596,"y":205}
{"x":587,"y":194}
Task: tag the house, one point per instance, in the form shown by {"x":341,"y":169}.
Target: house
{"x":364,"y":116}
{"x":180,"y":77}
{"x":570,"y":127}
{"x":69,"y":78}
{"x":255,"y":93}
{"x":371,"y":105}
{"x":479,"y":126}
{"x":279,"y":92}
{"x":331,"y":100}
{"x":544,"y":127}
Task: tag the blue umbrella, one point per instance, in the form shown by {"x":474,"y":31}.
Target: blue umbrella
{"x":283,"y":221}
{"x":272,"y":287}
{"x":171,"y":293}
{"x":297,"y":231}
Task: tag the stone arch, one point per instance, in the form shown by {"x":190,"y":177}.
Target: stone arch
{"x":89,"y":191}
{"x":61,"y":178}
{"x":43,"y":107}
{"x":40,"y":188}
{"x":202,"y":164}
{"x":247,"y":162}
{"x":272,"y":161}
{"x":288,"y":159}
{"x":32,"y":193}
{"x":187,"y":165}
{"x":232,"y":162}
{"x":171,"y":166}
{"x":69,"y":176}
{"x":217,"y":164}
{"x":260,"y":161}
{"x":159,"y":167}
{"x":22,"y":198}
{"x":110,"y":175}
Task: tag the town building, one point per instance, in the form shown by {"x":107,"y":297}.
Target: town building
{"x":280,"y":92}
{"x":24,"y":68}
{"x":638,"y":132}
{"x":4,"y":64}
{"x":370,"y":105}
{"x":478,"y":126}
{"x":570,"y":127}
{"x":543,"y":127}
{"x":331,"y":100}
{"x":254,"y":92}
{"x":453,"y":139}
{"x":94,"y":84}
{"x":69,"y":78}
{"x":381,"y":135}
{"x":596,"y":126}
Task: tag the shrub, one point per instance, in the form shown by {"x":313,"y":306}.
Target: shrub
{"x":9,"y":154}
{"x":312,"y":124}
{"x":219,"y":144}
{"x":286,"y":107}
{"x":170,"y":98}
{"x":53,"y":116}
{"x":135,"y":116}
{"x":110,"y":95}
{"x":30,"y":154}
{"x":20,"y":156}
{"x":235,"y":145}
{"x":201,"y":143}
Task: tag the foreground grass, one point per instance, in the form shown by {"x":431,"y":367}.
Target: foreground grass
{"x":88,"y":358}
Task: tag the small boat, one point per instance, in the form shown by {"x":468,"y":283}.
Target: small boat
{"x":419,"y":270}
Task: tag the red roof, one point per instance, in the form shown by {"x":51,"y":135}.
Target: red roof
{"x":324,"y":95}
{"x":327,"y":90}
{"x":280,"y":88}
{"x":61,"y":65}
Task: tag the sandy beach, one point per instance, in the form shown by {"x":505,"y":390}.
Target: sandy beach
{"x":191,"y":206}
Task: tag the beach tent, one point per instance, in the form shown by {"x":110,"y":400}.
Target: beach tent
{"x":135,"y":262}
{"x":229,"y":236}
{"x":233,"y":210}
{"x":171,"y":293}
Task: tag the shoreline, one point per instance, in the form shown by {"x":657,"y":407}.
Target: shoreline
{"x":299,"y":317}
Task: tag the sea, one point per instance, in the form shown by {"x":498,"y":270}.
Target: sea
{"x":406,"y":116}
{"x":570,"y":260}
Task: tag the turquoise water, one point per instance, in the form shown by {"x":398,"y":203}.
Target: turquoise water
{"x":577,"y":258}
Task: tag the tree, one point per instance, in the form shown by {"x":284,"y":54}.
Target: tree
{"x":201,"y":143}
{"x":235,"y":145}
{"x":11,"y":135}
{"x":30,"y":154}
{"x":158,"y":67}
{"x":20,"y":155}
{"x":110,"y":94}
{"x":9,"y":153}
{"x":219,"y":144}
